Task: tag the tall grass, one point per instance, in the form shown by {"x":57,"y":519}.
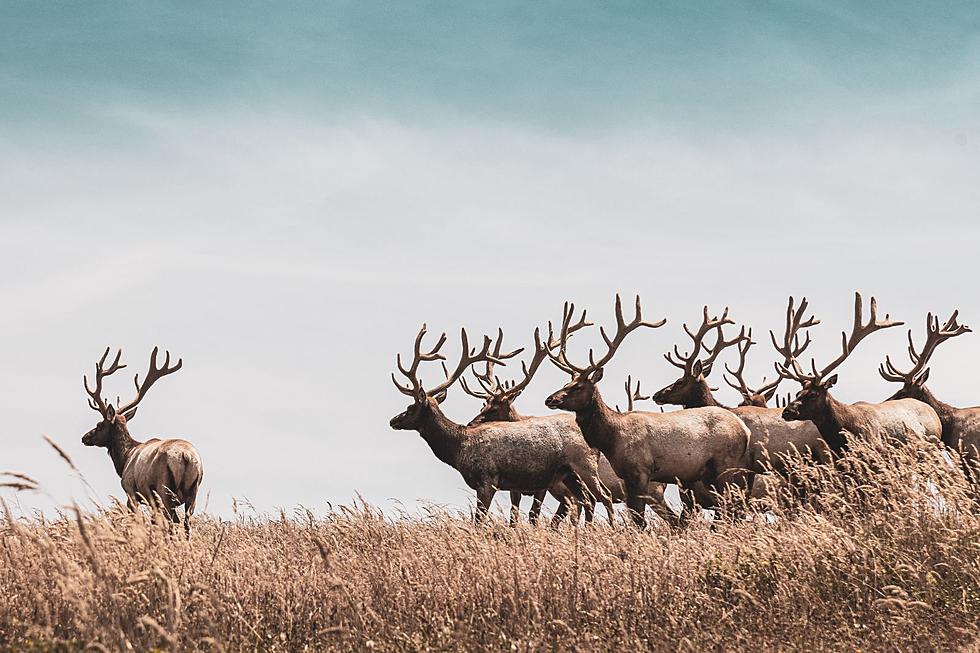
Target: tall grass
{"x":881,"y":553}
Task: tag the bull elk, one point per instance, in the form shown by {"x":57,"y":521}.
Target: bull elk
{"x":895,"y":419}
{"x":961,"y":426}
{"x":698,"y":448}
{"x":164,"y":473}
{"x":528,"y":455}
{"x":771,"y":437}
{"x":499,"y":397}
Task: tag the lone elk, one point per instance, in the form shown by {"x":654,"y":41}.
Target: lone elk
{"x":163,"y":473}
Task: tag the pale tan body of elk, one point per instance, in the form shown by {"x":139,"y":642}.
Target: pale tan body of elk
{"x":702,"y":448}
{"x":896,"y":420}
{"x":611,"y":486}
{"x":529,"y":455}
{"x":163,"y":473}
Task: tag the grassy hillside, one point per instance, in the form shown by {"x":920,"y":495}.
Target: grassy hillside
{"x":884,"y":555}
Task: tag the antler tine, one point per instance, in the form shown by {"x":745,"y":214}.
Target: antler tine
{"x":686,"y":361}
{"x":467,"y":358}
{"x":474,"y":393}
{"x":623,"y":329}
{"x":561,"y":359}
{"x":631,"y":394}
{"x":96,"y":402}
{"x":935,"y":336}
{"x":721,"y":345}
{"x":418,"y":356}
{"x":742,"y":386}
{"x":487,"y":378}
{"x":859,"y":331}
{"x":152,"y":376}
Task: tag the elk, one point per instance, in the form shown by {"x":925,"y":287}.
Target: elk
{"x":961,"y":426}
{"x":771,"y":436}
{"x":896,"y":419}
{"x":528,"y":455}
{"x":164,"y":473}
{"x":701,"y":448}
{"x":499,"y":398}
{"x":498,"y":406}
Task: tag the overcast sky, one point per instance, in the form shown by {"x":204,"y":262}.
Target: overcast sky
{"x":282,"y":195}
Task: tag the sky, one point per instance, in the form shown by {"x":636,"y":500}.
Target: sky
{"x":282,"y":193}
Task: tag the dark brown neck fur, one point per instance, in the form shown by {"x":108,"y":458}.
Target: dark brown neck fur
{"x":830,"y":421}
{"x":443,"y":435}
{"x":596,"y":423}
{"x":702,"y":397}
{"x":945,"y":411}
{"x":121,"y":447}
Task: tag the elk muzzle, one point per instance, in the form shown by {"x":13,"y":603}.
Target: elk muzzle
{"x":792,"y":412}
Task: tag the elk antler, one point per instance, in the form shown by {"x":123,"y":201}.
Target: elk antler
{"x":686,"y":362}
{"x":935,"y":335}
{"x":632,"y":394}
{"x":859,"y":331}
{"x":791,"y":348}
{"x":96,"y":402}
{"x":510,"y":390}
{"x":152,"y":375}
{"x":467,"y":357}
{"x":623,"y":329}
{"x":487,"y":380}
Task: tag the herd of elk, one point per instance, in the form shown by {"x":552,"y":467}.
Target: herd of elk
{"x":706,"y":448}
{"x":592,"y":452}
{"x":700,"y":449}
{"x":165,"y":473}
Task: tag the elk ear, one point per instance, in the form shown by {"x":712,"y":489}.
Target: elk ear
{"x":829,"y":383}
{"x":131,"y":414}
{"x":921,"y":381}
{"x":769,"y":394}
{"x":441,"y":397}
{"x":596,"y":376}
{"x":110,"y":413}
{"x":698,"y":370}
{"x":420,"y":396}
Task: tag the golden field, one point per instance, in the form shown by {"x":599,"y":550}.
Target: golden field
{"x":883,"y":553}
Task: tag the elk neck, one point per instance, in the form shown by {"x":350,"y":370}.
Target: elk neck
{"x":945,"y":411}
{"x":443,"y":435}
{"x":702,"y":397}
{"x":831,"y":420}
{"x":121,"y":447}
{"x":596,"y":421}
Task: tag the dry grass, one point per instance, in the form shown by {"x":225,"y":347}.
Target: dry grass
{"x":873,"y":562}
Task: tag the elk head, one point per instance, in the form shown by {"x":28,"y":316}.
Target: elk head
{"x":690,"y":389}
{"x":579,"y":393}
{"x":812,"y":400}
{"x":791,"y":348}
{"x":914,"y":381}
{"x":499,"y":396}
{"x":425,"y":402}
{"x":115,"y":418}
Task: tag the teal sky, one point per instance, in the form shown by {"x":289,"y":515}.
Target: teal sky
{"x":282,"y":193}
{"x":554,"y":66}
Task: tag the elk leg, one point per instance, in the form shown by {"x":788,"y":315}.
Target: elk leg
{"x":484,"y":497}
{"x":561,"y":512}
{"x":637,"y":507}
{"x":535,"y":511}
{"x":515,"y":507}
{"x":581,"y":496}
